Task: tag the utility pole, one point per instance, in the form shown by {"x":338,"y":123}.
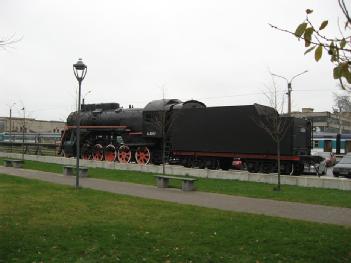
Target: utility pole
{"x":289,"y":97}
{"x":289,"y":87}
{"x":86,"y":94}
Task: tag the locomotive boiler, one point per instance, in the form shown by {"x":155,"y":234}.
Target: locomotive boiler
{"x":190,"y":134}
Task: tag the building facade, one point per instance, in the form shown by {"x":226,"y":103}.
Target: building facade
{"x":30,"y":125}
{"x":326,"y":121}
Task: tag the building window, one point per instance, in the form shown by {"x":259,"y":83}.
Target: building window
{"x":315,"y":144}
{"x":328,"y":146}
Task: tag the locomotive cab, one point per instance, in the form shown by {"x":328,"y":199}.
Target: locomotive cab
{"x":159,"y":114}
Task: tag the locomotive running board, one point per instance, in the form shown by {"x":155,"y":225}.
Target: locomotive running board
{"x":96,"y":127}
{"x":235,"y":155}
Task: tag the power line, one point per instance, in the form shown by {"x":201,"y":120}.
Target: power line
{"x":312,"y":90}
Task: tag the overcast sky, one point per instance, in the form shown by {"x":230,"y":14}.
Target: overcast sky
{"x":218,"y":52}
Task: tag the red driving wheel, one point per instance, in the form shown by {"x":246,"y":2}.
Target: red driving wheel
{"x":124,"y":154}
{"x":98,"y":153}
{"x":143,"y":155}
{"x":110,"y":153}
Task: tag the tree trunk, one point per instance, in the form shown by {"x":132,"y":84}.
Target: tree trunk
{"x":278,"y":160}
{"x":163,"y":156}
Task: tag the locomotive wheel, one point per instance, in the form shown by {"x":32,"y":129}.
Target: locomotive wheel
{"x":64,"y":154}
{"x":86,"y":152}
{"x":298,"y":169}
{"x":253,"y":167}
{"x":286,"y":168}
{"x":195,"y":163}
{"x":212,"y":164}
{"x":188,"y":162}
{"x":110,"y":153}
{"x":124,"y":154}
{"x":98,"y":153}
{"x":225,"y":164}
{"x":202,"y":164}
{"x":142,"y":155}
{"x":86,"y":156}
{"x":267,"y":167}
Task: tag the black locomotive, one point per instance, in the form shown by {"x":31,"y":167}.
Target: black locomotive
{"x":189,"y":133}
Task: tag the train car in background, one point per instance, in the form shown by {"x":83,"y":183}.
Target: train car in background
{"x":331,"y":142}
{"x":17,"y":137}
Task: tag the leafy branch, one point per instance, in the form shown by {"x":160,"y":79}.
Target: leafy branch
{"x":337,"y":48}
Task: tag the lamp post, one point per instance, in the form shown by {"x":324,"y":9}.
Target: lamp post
{"x":80,"y":70}
{"x":289,"y":87}
{"x":13,"y":104}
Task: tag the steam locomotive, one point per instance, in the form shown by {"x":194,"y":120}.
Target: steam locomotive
{"x":190,"y":134}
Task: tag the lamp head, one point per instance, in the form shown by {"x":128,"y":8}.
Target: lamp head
{"x":80,"y":70}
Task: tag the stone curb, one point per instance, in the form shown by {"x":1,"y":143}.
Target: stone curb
{"x":304,"y":181}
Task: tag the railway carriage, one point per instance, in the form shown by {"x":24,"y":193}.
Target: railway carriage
{"x":332,"y":142}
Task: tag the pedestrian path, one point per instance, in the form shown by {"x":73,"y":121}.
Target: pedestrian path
{"x":307,"y":212}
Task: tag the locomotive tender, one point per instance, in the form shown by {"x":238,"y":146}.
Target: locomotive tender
{"x":190,"y":134}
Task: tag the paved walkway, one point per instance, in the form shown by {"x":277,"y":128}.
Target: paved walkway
{"x":307,"y":212}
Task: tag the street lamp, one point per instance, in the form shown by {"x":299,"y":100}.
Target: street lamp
{"x":289,"y":87}
{"x":80,"y":70}
{"x":13,"y":104}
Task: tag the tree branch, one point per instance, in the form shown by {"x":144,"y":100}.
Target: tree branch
{"x":7,"y":42}
{"x":344,"y":10}
{"x":312,"y":42}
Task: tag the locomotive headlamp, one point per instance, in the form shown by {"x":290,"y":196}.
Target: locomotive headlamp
{"x":80,"y":70}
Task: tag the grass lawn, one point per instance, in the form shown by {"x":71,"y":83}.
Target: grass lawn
{"x":328,"y":197}
{"x":42,"y":222}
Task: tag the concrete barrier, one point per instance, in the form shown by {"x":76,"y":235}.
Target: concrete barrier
{"x":305,"y":181}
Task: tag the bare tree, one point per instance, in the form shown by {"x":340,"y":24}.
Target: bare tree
{"x":274,"y":124}
{"x":342,"y":103}
{"x":159,"y":123}
{"x":163,"y":126}
{"x":337,"y":47}
{"x":342,"y":106}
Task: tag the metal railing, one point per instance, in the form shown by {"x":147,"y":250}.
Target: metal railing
{"x":33,"y":148}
